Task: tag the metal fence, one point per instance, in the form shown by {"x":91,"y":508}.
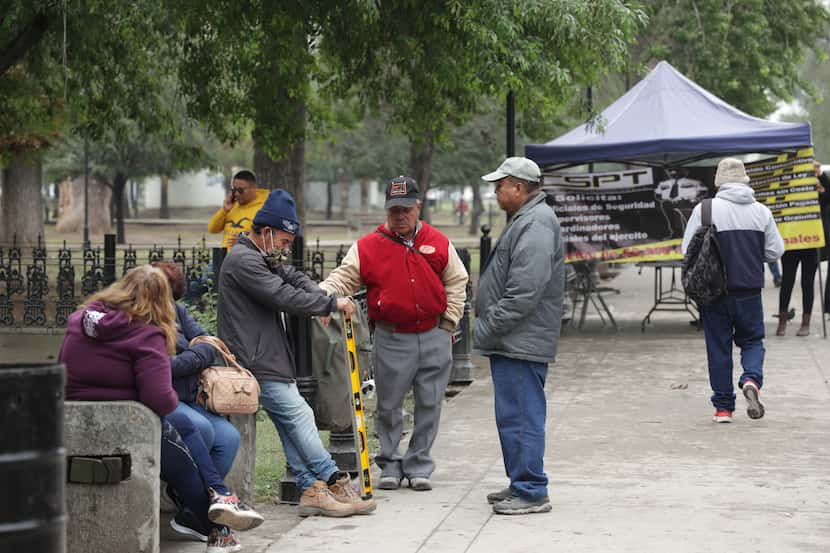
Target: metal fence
{"x":41,"y":286}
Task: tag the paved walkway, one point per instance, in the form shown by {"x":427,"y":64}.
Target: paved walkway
{"x":636,"y":465}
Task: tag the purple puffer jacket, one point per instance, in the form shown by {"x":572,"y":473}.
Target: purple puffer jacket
{"x":110,"y":358}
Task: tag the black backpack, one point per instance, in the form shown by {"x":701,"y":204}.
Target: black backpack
{"x":703,"y":273}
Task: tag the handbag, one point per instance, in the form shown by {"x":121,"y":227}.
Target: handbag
{"x":226,"y":390}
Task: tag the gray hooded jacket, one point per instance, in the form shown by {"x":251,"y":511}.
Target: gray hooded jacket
{"x":252,"y":298}
{"x":519,"y":299}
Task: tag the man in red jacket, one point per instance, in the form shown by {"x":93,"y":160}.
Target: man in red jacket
{"x":415,"y":284}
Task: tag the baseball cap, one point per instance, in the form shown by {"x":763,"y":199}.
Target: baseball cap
{"x":519,"y":167}
{"x":402,"y":191}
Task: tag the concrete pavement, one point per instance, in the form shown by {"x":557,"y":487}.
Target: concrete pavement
{"x":634,"y":461}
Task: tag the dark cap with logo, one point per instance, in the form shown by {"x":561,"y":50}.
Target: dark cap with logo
{"x":402,"y":191}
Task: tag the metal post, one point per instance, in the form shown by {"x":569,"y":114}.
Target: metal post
{"x":511,"y":124}
{"x":300,"y":335}
{"x":109,"y":259}
{"x":461,"y":349}
{"x":86,"y":186}
{"x":484,"y":249}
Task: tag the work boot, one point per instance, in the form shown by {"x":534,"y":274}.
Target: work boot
{"x":318,"y":500}
{"x":805,"y":325}
{"x":782,"y":324}
{"x":344,"y":492}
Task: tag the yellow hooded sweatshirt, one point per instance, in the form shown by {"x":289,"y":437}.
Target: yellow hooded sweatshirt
{"x":238,"y":219}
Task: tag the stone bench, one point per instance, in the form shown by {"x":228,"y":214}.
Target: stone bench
{"x":124,"y":516}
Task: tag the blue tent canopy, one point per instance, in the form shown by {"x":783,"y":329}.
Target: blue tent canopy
{"x":666,"y":119}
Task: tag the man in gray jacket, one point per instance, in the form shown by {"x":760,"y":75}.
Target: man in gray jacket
{"x":518,"y":317}
{"x":255,"y":290}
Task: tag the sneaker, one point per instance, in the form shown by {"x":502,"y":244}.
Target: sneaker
{"x":222,"y":541}
{"x":420,"y":483}
{"x":501,"y":495}
{"x":319,"y":500}
{"x":754,"y":407}
{"x":722,"y":415}
{"x":227,"y":510}
{"x":515,"y":505}
{"x":344,"y":492}
{"x":389,"y":482}
{"x":185,"y":523}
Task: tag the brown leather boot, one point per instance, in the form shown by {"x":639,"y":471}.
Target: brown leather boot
{"x":318,"y":500}
{"x":805,"y":325}
{"x":782,"y":324}
{"x":344,"y":492}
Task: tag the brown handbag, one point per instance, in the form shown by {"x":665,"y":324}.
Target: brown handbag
{"x":228,"y":390}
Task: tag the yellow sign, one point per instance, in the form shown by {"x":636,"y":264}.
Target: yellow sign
{"x":786,"y":184}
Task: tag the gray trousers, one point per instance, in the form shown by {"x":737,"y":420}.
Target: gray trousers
{"x":402,"y":361}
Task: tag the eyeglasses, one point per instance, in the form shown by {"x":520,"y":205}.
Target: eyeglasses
{"x":237,"y":190}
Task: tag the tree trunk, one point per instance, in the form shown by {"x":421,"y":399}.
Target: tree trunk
{"x":420,"y":163}
{"x":345,"y":184}
{"x":288,"y":172}
{"x":478,"y":208}
{"x":118,"y":186}
{"x":21,"y":211}
{"x":164,"y":209}
{"x":364,"y":195}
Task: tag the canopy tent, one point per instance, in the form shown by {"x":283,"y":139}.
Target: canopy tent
{"x":668,"y":120}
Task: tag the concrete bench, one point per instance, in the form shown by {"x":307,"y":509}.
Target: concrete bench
{"x":123,"y":516}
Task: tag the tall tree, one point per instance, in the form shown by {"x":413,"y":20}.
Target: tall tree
{"x":433,"y":62}
{"x":747,"y":52}
{"x":64,"y":65}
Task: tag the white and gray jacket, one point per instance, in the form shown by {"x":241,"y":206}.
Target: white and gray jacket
{"x":747,"y":235}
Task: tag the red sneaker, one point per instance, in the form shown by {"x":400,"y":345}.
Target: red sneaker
{"x":227,"y":510}
{"x":722,"y":415}
{"x":222,"y":541}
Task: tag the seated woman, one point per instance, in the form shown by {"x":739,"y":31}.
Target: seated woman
{"x":220,"y":436}
{"x":116,"y":348}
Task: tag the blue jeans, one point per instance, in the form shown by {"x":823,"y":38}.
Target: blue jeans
{"x":521,"y":407}
{"x":739,"y":318}
{"x":294,"y":420}
{"x":220,"y":436}
{"x":187,"y":467}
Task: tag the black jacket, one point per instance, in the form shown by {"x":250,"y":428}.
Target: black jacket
{"x":252,"y":299}
{"x":189,"y":361}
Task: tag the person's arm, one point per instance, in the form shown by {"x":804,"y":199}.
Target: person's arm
{"x":691,"y":227}
{"x":773,"y":243}
{"x":455,"y":279}
{"x":269,"y":289}
{"x":530,"y":263}
{"x":195,"y":358}
{"x":299,"y":279}
{"x":344,"y":280}
{"x":217,"y":222}
{"x":152,"y":374}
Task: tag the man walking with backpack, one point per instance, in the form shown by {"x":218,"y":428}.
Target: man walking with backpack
{"x":747,"y":238}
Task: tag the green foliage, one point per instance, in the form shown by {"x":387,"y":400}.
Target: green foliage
{"x":116,"y":55}
{"x":747,"y":52}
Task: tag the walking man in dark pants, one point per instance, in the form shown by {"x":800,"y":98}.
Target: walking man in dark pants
{"x":518,"y":318}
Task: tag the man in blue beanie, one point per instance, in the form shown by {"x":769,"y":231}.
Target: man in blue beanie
{"x":255,"y":290}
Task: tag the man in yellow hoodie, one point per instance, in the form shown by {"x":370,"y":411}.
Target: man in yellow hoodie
{"x":241,"y":204}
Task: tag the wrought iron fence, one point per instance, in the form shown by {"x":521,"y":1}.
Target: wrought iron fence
{"x":41,"y":286}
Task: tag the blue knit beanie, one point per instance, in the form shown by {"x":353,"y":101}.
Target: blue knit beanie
{"x":278,"y":212}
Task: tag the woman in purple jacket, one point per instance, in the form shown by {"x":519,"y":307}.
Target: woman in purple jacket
{"x":117,"y":347}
